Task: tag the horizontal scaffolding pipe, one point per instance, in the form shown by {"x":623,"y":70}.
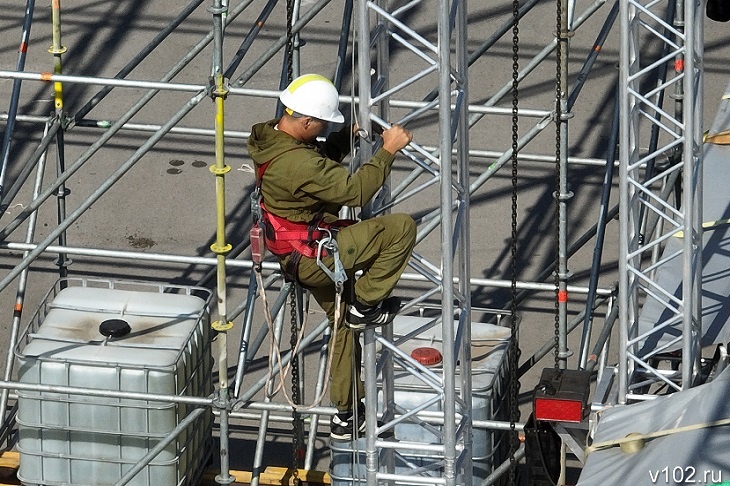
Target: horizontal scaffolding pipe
{"x":428,"y":417}
{"x":419,"y":446}
{"x":258,"y":93}
{"x":408,"y":479}
{"x":270,"y":266}
{"x":95,"y":392}
{"x":477,"y":424}
{"x":244,"y":135}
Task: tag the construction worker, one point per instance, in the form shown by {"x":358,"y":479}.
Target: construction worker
{"x":303,"y":187}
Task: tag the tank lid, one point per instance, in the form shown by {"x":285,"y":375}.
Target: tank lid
{"x":114,"y":328}
{"x":427,"y":356}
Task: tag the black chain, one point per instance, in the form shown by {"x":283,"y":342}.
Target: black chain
{"x":297,"y":423}
{"x":558,"y":117}
{"x":514,"y":385}
{"x":289,"y":40}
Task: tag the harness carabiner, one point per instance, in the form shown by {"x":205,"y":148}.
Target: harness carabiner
{"x":329,"y":243}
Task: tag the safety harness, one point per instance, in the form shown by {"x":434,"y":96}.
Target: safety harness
{"x":285,"y":238}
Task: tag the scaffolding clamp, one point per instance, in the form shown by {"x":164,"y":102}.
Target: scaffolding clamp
{"x":338,"y":276}
{"x":218,"y":10}
{"x":221,"y":326}
{"x":57,"y":49}
{"x":220,"y":170}
{"x":218,"y":88}
{"x":221,"y":249}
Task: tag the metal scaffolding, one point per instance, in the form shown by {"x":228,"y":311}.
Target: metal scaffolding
{"x":408,"y":63}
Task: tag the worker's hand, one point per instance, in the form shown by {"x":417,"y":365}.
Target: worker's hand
{"x":396,"y":138}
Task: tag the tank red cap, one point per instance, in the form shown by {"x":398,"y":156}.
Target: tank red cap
{"x":427,"y":356}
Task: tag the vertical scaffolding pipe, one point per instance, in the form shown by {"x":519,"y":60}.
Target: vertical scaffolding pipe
{"x":363,"y":81}
{"x":382,"y":50}
{"x":62,"y":261}
{"x":371,"y":394}
{"x":676,"y":154}
{"x":464,"y":246}
{"x":58,"y":50}
{"x":15,"y":95}
{"x":692,"y":195}
{"x":220,"y":247}
{"x":296,"y":65}
{"x":365,"y":152}
{"x":564,"y":195}
{"x":22,"y":283}
{"x":447,"y":223}
{"x":628,"y":224}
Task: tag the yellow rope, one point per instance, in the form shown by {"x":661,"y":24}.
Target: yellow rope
{"x":635,"y":441}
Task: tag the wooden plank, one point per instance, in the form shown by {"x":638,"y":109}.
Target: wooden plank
{"x":271,"y":476}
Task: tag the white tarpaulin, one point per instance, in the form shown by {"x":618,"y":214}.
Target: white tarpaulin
{"x":700,"y":456}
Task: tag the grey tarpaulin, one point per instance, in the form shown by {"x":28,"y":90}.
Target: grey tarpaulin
{"x":693,"y":457}
{"x":715,"y":252}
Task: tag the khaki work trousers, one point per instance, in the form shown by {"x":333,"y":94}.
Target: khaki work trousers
{"x":381,"y":248}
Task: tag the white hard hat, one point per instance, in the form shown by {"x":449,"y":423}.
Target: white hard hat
{"x":313,"y":95}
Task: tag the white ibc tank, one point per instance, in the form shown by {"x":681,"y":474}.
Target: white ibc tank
{"x":489,"y":344}
{"x":85,"y":440}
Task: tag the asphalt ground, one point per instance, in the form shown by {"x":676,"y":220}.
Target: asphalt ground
{"x":166,"y":204}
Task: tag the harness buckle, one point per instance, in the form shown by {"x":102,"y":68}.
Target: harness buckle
{"x":256,"y":205}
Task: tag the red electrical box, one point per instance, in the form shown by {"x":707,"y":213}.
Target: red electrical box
{"x":562,"y":395}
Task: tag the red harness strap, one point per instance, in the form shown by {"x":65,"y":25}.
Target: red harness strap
{"x":284,"y":237}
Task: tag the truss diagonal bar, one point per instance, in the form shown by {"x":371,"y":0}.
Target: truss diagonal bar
{"x":394,"y":20}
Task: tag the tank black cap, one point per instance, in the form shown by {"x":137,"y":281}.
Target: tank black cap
{"x":114,"y":328}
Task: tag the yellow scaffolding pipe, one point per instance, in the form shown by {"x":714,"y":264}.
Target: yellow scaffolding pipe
{"x":220,"y":247}
{"x":57,"y":50}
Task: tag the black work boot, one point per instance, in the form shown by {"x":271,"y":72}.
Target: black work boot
{"x":342,"y":424}
{"x":360,"y":316}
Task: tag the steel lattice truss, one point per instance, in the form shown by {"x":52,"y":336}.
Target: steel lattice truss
{"x":436,"y":67}
{"x":648,"y":219}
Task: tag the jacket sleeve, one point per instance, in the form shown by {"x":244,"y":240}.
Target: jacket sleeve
{"x":328,"y":181}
